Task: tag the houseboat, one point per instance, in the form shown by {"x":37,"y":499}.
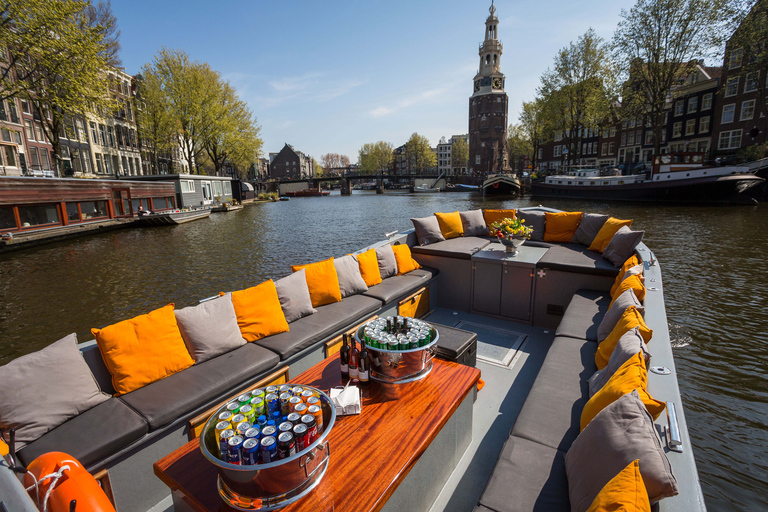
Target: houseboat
{"x":674,"y":178}
{"x":501,"y":184}
{"x":199,"y":190}
{"x":307,"y":192}
{"x":528,"y":324}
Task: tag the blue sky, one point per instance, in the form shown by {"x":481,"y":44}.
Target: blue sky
{"x":328,"y":77}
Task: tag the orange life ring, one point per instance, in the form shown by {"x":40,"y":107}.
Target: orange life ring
{"x":75,"y":483}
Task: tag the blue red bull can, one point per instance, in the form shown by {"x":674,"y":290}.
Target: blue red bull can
{"x":268,"y":451}
{"x":269,"y":430}
{"x":234,"y":452}
{"x":253,"y":433}
{"x":251,"y":452}
{"x":224,"y":438}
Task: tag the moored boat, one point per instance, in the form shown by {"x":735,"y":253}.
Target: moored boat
{"x":173,"y":217}
{"x":460,"y":187}
{"x":501,"y":184}
{"x":307,"y":192}
{"x":226,"y":208}
{"x":424,"y":189}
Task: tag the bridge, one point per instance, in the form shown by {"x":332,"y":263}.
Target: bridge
{"x":409,"y":180}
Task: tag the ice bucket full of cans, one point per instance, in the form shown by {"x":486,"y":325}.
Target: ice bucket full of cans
{"x":269,"y":445}
{"x":401,"y":349}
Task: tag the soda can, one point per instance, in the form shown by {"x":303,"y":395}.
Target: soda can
{"x":258,"y":393}
{"x":317,"y":412}
{"x":247,"y":411}
{"x":301,"y":409}
{"x":313,"y":401}
{"x":244,"y":398}
{"x":297,"y":390}
{"x":221,"y":427}
{"x":300,"y":434}
{"x":285,"y":426}
{"x":252,"y":433}
{"x":262,"y":421}
{"x":293,"y":402}
{"x":269,"y":430}
{"x":294,"y":418}
{"x":270,"y":389}
{"x":238,"y":419}
{"x":268,"y":451}
{"x":225,"y":416}
{"x":307,"y":394}
{"x":285,"y":407}
{"x":251,"y":452}
{"x":273,"y":404}
{"x":286,"y":446}
{"x":234,"y":453}
{"x":224,"y":438}
{"x":233,"y":407}
{"x":285,"y":388}
{"x":309,"y":421}
{"x":243,"y":427}
{"x":257,"y":403}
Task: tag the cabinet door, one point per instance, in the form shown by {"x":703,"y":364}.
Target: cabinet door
{"x":516,"y":288}
{"x":486,"y":287}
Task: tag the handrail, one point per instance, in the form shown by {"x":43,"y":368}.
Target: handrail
{"x":674,"y":439}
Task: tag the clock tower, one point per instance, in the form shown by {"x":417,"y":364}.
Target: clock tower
{"x":488,"y":147}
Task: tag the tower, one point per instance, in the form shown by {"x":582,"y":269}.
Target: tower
{"x":488,"y":148}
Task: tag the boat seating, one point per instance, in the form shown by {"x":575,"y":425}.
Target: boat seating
{"x":460,"y":247}
{"x":530,"y":471}
{"x":85,"y":435}
{"x":396,"y":287}
{"x":574,"y":257}
{"x":175,"y":396}
{"x":329,"y":319}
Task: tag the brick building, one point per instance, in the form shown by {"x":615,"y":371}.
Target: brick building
{"x":291,"y":164}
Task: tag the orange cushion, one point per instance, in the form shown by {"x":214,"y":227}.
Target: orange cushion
{"x":369,"y":267}
{"x":143,"y":349}
{"x":405,"y":262}
{"x":561,"y":226}
{"x":630,"y":376}
{"x":630,"y":319}
{"x":605,"y":234}
{"x":258,"y":311}
{"x":635,"y":282}
{"x":322,"y":281}
{"x":450,"y":224}
{"x":625,"y":492}
{"x":492,"y":216}
{"x":631,"y":262}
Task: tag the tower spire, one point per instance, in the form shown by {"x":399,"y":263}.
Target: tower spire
{"x":492,"y":9}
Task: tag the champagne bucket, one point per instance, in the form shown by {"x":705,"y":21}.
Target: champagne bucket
{"x":277,"y":484}
{"x":401,"y":366}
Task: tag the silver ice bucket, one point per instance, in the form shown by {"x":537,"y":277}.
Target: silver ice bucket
{"x":277,"y":484}
{"x":401,"y":366}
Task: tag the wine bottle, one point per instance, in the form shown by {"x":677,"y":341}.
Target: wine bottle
{"x":344,"y":357}
{"x":354,"y":359}
{"x":364,"y":366}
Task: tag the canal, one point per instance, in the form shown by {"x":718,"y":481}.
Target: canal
{"x":712,"y":259}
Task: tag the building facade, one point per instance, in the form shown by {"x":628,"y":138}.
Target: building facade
{"x":14,"y":160}
{"x":291,"y":164}
{"x":488,"y":106}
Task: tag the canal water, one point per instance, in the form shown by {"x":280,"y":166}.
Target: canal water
{"x":712,"y":259}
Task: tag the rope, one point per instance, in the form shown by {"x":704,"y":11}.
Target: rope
{"x":55,"y":476}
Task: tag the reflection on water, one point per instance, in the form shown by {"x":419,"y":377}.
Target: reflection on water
{"x":713,"y":260}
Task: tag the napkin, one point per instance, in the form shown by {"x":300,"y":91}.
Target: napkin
{"x":347,"y":400}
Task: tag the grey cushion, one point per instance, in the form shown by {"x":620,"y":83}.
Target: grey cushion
{"x":328,"y":320}
{"x":535,"y":220}
{"x":611,"y":318}
{"x":570,"y":257}
{"x":462,"y":247}
{"x":473,"y":223}
{"x":91,"y":436}
{"x":425,"y":273}
{"x":589,"y":227}
{"x":619,"y":434}
{"x":387,"y":261}
{"x":551,"y":414}
{"x":583,"y":314}
{"x":527,"y":476}
{"x":395,"y":287}
{"x":622,"y":245}
{"x":427,"y":230}
{"x":42,"y":390}
{"x":293,"y":293}
{"x":210,"y":328}
{"x":633,"y":271}
{"x":350,"y":280}
{"x":630,"y":343}
{"x":182,"y":393}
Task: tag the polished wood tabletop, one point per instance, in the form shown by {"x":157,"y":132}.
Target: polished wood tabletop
{"x":371,"y":453}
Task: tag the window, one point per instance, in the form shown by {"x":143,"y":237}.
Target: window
{"x":648,"y":137}
{"x":693,"y":105}
{"x":732,"y":86}
{"x":729,"y":140}
{"x":610,"y":148}
{"x":557,"y":151}
{"x":40,"y":134}
{"x":25,"y":107}
{"x":12,"y":111}
{"x":728,"y":112}
{"x":750,"y":82}
{"x":735,"y":60}
{"x":103,"y":135}
{"x":706,"y":102}
{"x":44,"y":159}
{"x":704,"y":124}
{"x":34,"y":159}
{"x":99,"y":163}
{"x":73,"y":215}
{"x":3,"y":114}
{"x":161,"y":203}
{"x":541,"y":153}
{"x":477,"y":159}
{"x":111,"y":136}
{"x":107,"y":164}
{"x":624,"y":124}
{"x":7,"y":218}
{"x":613,"y":131}
{"x":93,"y":209}
{"x":690,"y":127}
{"x":10,"y":156}
{"x":623,"y":139}
{"x":604,"y":149}
{"x":187,"y":186}
{"x":747,"y":110}
{"x":94,"y":135}
{"x":679,"y":107}
{"x":216,"y":188}
{"x":227,"y":188}
{"x":631,"y":138}
{"x":677,"y":129}
{"x":38,"y":215}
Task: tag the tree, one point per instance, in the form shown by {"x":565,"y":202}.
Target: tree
{"x":330,"y":161}
{"x":319,"y":171}
{"x":156,"y":127}
{"x":519,"y":142}
{"x":578,"y":91}
{"x":375,"y":158}
{"x":532,"y":123}
{"x":419,"y":154}
{"x":459,"y":153}
{"x":659,"y":43}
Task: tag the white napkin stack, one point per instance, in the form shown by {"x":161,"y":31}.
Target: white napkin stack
{"x":348,"y":400}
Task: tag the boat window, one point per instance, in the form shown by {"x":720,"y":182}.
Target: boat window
{"x":216,"y":188}
{"x":187,"y":186}
{"x":7,"y":219}
{"x":93,"y":209}
{"x":73,"y":215}
{"x":38,"y":215}
{"x":228,"y":188}
{"x":159,"y":203}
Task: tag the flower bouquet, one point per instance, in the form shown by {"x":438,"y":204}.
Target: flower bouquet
{"x":511,"y":232}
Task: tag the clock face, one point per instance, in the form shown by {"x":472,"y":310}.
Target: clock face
{"x":477,"y":85}
{"x":497,"y":83}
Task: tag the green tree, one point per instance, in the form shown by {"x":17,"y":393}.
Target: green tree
{"x":375,"y":158}
{"x":156,"y":126}
{"x":319,"y":171}
{"x":459,"y":153}
{"x":520,"y":145}
{"x":419,"y":154}
{"x":532,"y":123}
{"x":658,"y":43}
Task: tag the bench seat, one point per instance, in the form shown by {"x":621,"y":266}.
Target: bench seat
{"x":462,"y":247}
{"x":574,"y":257}
{"x":583,"y":315}
{"x":396,"y":287}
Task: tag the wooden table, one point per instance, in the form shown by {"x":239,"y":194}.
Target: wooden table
{"x":371,"y":453}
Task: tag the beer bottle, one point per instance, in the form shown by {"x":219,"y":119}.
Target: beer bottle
{"x":365,"y":365}
{"x":354,"y":360}
{"x":344,"y":357}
